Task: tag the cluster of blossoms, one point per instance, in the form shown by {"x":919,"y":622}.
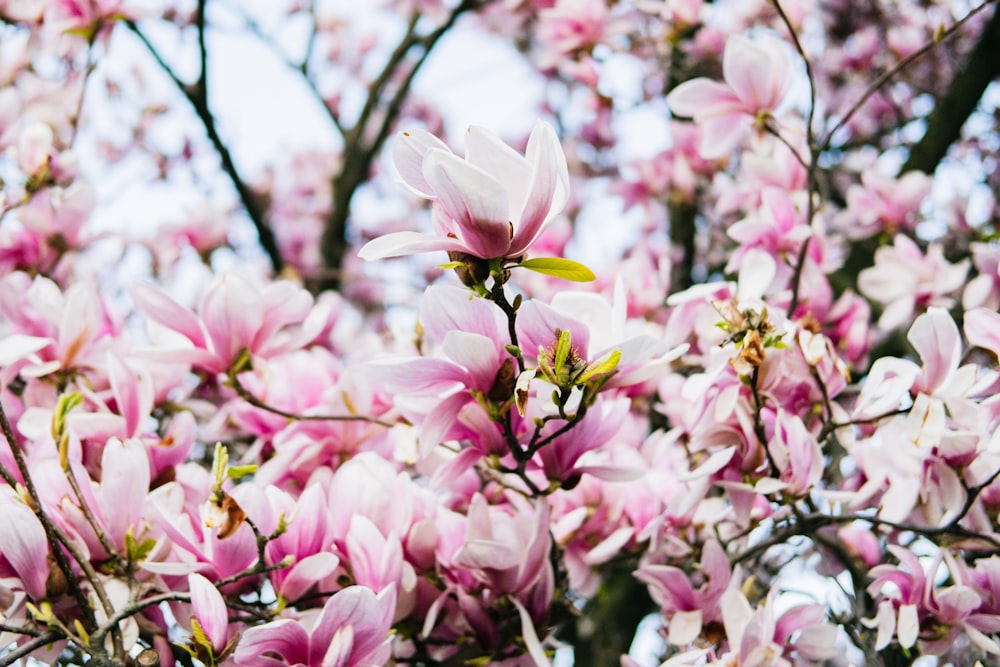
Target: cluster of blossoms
{"x":771,"y":424}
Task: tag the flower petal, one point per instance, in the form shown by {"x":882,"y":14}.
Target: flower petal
{"x":703,"y":98}
{"x":399,"y":244}
{"x":475,"y":200}
{"x":549,"y":187}
{"x":408,"y":153}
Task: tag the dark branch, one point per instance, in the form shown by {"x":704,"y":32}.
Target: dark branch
{"x":197,"y":96}
{"x":944,"y":124}
{"x":364,"y":140}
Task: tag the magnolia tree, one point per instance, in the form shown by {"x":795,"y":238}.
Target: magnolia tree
{"x":765,"y":416}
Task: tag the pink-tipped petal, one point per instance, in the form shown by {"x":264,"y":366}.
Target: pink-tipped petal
{"x":306,"y":573}
{"x":285,"y":638}
{"x":446,"y":308}
{"x":934,"y":335}
{"x":477,"y":354}
{"x":982,"y":328}
{"x":369,"y":615}
{"x":531,"y":642}
{"x":125,"y":388}
{"x":721,"y":134}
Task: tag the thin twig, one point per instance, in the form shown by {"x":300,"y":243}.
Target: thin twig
{"x":247,"y":396}
{"x":28,"y":648}
{"x":883,"y":78}
{"x":53,"y":534}
{"x":197,"y":96}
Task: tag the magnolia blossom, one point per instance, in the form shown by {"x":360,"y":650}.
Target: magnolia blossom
{"x":493,"y":204}
{"x":905,"y":279}
{"x":757,"y":75}
{"x":351,"y":631}
{"x":235,"y":315}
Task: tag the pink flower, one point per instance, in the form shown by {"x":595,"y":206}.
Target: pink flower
{"x":757,"y":78}
{"x":796,"y":453}
{"x":571,"y":26}
{"x":689,"y":609}
{"x":235,"y":315}
{"x":506,"y":548}
{"x":471,"y":336}
{"x":352,"y":630}
{"x":882,"y":203}
{"x":83,"y":15}
{"x":762,"y":638}
{"x":493,"y":204}
{"x":905,"y":279}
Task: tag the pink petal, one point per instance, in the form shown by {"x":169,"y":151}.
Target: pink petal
{"x":124,"y":485}
{"x":24,"y":547}
{"x":703,"y":98}
{"x":376,"y":561}
{"x":446,"y":308}
{"x":285,"y":638}
{"x":338,"y":653}
{"x":306,"y":573}
{"x":159,"y":307}
{"x":439,"y":421}
{"x":747,"y":68}
{"x":233,"y":312}
{"x":982,"y":328}
{"x":284,"y":304}
{"x":210,"y":610}
{"x":475,"y":200}
{"x":549,"y":187}
{"x":935,"y":337}
{"x":358,"y":606}
{"x":399,"y":244}
{"x":531,"y":642}
{"x":537,"y":323}
{"x":80,"y":323}
{"x":477,"y":354}
{"x":18,"y":346}
{"x":419,"y":375}
{"x":721,"y":134}
{"x":485,"y":150}
{"x":408,"y":153}
{"x":125,"y":388}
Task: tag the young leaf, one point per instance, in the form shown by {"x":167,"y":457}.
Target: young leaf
{"x":558,"y":267}
{"x":238,"y":472}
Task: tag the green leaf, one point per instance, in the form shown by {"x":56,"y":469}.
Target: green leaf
{"x":558,"y":267}
{"x":238,"y":472}
{"x":137,"y":551}
{"x":450,"y":265}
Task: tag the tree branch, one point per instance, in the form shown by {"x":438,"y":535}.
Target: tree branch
{"x":362,"y":143}
{"x":944,"y":124}
{"x":197,"y":97}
